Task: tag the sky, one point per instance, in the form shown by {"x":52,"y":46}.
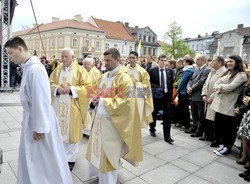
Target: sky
{"x":193,"y":16}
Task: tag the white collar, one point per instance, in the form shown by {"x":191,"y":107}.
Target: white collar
{"x":161,"y":68}
{"x":111,"y":73}
{"x":202,"y":66}
{"x":68,"y":68}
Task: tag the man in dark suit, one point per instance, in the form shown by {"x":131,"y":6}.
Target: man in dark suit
{"x":194,"y":89}
{"x":161,"y":80}
{"x":149,"y":63}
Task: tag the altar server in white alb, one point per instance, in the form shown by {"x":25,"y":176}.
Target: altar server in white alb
{"x":42,"y":158}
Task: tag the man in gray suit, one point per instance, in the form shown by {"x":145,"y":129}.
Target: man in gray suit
{"x":194,"y":89}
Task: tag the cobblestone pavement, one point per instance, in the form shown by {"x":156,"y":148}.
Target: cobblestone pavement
{"x":187,"y":161}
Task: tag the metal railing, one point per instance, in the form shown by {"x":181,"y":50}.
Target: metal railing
{"x":88,"y":49}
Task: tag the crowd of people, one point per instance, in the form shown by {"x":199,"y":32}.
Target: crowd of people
{"x":111,"y":100}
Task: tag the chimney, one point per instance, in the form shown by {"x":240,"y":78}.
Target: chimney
{"x":136,"y":26}
{"x":240,"y":26}
{"x":55,"y":19}
{"x":199,"y":35}
{"x":126,"y":24}
{"x":78,"y":18}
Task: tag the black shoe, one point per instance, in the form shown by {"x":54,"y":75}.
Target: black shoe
{"x":153,"y":134}
{"x":172,"y":140}
{"x":247,"y":178}
{"x":215,"y":144}
{"x":178,"y":125}
{"x":244,"y":174}
{"x":190,"y":131}
{"x":195,"y":135}
{"x":169,"y":140}
{"x":71,"y":165}
{"x":202,"y":138}
{"x":210,"y":139}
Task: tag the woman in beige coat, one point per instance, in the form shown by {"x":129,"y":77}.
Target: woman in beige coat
{"x":227,"y":89}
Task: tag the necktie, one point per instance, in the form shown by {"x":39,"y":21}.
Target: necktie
{"x":162,"y":80}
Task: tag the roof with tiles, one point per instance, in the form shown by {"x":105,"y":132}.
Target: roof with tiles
{"x":68,"y":23}
{"x":114,"y":30}
{"x":244,"y":31}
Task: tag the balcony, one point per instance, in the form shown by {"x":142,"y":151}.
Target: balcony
{"x":88,"y":49}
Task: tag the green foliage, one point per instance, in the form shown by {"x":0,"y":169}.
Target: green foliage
{"x":177,"y":48}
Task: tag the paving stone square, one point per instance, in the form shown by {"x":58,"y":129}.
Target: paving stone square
{"x":187,"y":161}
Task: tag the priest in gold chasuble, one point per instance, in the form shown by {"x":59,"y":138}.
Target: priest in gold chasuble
{"x":116,"y":129}
{"x":69,"y":83}
{"x":142,"y":89}
{"x":94,"y":74}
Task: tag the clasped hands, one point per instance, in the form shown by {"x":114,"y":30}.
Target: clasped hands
{"x":63,"y":90}
{"x":38,"y":136}
{"x":207,"y":100}
{"x":245,"y":101}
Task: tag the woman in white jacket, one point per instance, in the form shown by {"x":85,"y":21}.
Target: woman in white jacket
{"x":227,"y":89}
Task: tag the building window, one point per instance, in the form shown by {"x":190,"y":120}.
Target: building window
{"x":123,"y":49}
{"x":107,"y":46}
{"x":97,"y":44}
{"x":86,"y":43}
{"x":153,"y":40}
{"x":52,"y":42}
{"x":149,"y":38}
{"x":154,"y":53}
{"x":192,"y":47}
{"x":74,"y":42}
{"x":144,"y":38}
{"x":60,"y":42}
{"x":37,"y":44}
{"x":244,"y":55}
{"x":144,"y":50}
{"x":87,"y":46}
{"x":201,"y":46}
{"x":208,"y":44}
{"x":149,"y":51}
{"x":115,"y":46}
{"x":130,"y":48}
{"x":197,"y":47}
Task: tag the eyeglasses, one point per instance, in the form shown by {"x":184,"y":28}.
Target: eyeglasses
{"x":131,"y":57}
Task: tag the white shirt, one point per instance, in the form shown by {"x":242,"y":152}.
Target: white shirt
{"x":112,"y":72}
